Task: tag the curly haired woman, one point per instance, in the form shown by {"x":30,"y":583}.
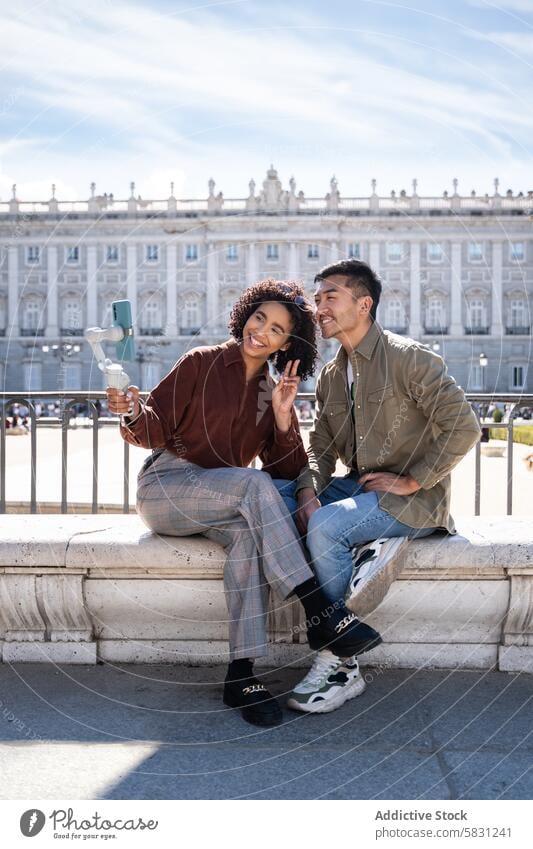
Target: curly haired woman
{"x":207,"y":420}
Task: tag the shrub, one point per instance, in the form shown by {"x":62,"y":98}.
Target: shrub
{"x":521,"y":433}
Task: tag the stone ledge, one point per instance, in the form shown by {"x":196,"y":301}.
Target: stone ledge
{"x":122,"y":544}
{"x":74,"y":588}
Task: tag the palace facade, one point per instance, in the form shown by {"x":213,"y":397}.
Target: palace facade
{"x":457,"y":273}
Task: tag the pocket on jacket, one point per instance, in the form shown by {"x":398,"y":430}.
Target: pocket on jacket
{"x":378,"y":396}
{"x":331,"y":411}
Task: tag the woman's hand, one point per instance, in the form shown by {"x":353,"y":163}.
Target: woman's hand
{"x":284,"y":395}
{"x":124,"y":403}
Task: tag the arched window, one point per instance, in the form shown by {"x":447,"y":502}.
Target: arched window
{"x":518,"y":317}
{"x":476,"y":315}
{"x":153,"y":313}
{"x":516,"y":252}
{"x":435,"y":314}
{"x":191,"y":319}
{"x":151,"y":317}
{"x":395,"y":314}
{"x":434,"y":252}
{"x":475,"y":251}
{"x":191,"y":253}
{"x":71,"y":314}
{"x":395,"y":251}
{"x":32,"y":314}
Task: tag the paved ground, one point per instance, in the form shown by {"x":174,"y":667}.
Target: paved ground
{"x":111,"y":447}
{"x":161,"y":732}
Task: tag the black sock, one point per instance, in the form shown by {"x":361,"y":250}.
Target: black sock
{"x":313,"y":598}
{"x":239,"y":669}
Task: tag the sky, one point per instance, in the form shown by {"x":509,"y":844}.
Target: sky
{"x":114,"y":91}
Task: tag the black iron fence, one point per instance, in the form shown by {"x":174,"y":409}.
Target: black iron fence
{"x":60,"y":409}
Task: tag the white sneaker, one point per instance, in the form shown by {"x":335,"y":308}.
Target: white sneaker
{"x":375,"y":566}
{"x":329,"y":683}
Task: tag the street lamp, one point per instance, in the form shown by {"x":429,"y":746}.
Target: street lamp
{"x":62,"y":351}
{"x":483,"y":362}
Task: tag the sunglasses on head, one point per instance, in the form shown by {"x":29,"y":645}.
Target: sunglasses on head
{"x":299,"y":299}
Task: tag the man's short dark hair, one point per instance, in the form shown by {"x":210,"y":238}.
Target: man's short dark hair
{"x":358,"y":275}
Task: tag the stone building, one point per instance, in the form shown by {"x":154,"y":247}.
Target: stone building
{"x":457,"y":273}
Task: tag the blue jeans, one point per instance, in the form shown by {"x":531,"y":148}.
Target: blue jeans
{"x":348,"y":516}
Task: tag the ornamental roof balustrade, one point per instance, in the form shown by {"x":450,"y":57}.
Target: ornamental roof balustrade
{"x":272,"y":199}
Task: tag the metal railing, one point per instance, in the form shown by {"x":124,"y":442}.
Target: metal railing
{"x":515,"y":402}
{"x":68,"y":401}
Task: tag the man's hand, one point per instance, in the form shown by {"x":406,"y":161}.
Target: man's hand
{"x":307,"y":504}
{"x":388,"y":482}
{"x":124,"y":403}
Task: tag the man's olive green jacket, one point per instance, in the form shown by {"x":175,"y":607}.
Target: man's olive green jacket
{"x":408,"y":417}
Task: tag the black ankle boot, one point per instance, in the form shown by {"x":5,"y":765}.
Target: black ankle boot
{"x":340,"y":631}
{"x":258,"y":706}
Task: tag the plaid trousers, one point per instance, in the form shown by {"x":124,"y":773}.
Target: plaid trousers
{"x":242,"y":510}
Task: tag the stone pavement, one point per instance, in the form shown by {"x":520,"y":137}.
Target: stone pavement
{"x":162,"y":732}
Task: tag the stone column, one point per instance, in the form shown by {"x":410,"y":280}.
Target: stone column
{"x":171,"y":326}
{"x":497,"y":293}
{"x":131,"y":281}
{"x":415,"y":293}
{"x":294,"y":265}
{"x":373,"y":259}
{"x":13,"y":323}
{"x":212,"y":307}
{"x":456,"y":283}
{"x":251,"y":264}
{"x":92,"y":287}
{"x":334,"y":252}
{"x":52,"y":320}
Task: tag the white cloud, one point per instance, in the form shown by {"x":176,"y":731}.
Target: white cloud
{"x":138,"y":93}
{"x":515,"y":42}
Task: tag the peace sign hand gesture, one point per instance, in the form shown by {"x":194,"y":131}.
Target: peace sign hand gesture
{"x":284,"y":395}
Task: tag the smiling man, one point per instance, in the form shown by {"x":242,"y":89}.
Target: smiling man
{"x":387,"y":408}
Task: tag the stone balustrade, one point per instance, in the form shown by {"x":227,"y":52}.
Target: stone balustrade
{"x":80,"y":588}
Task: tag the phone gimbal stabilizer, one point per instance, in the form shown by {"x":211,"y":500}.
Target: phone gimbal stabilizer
{"x":120,"y":332}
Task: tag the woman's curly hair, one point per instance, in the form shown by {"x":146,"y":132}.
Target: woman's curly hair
{"x":303,"y":334}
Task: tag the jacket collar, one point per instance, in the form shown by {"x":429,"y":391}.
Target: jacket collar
{"x":231,"y":353}
{"x":366,"y":346}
